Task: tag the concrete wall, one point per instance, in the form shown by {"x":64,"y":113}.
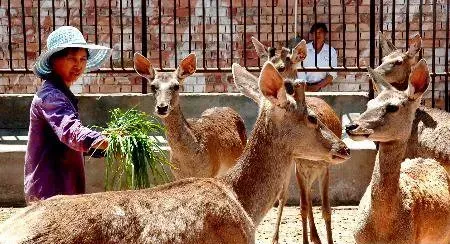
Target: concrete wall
{"x":348,"y":180}
{"x":14,"y":109}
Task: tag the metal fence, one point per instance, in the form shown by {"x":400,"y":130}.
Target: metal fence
{"x":219,"y":31}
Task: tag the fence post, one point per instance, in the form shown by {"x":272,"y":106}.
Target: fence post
{"x":372,"y":43}
{"x":144,"y":39}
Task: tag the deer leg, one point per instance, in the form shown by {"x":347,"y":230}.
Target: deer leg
{"x":312,"y":225}
{"x":282,"y":198}
{"x":281,"y":202}
{"x":326,"y":209}
{"x":303,"y":204}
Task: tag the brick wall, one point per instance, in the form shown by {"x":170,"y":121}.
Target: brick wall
{"x":210,"y":82}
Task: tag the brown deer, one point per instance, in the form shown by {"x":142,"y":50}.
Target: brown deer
{"x":203,"y":147}
{"x":407,"y":201}
{"x":430,"y":131}
{"x":307,"y":172}
{"x":225,"y":209}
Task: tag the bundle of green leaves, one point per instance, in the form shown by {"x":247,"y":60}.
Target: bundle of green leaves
{"x":134,"y":160}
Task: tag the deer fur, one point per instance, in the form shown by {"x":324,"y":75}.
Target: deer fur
{"x":430,"y":132}
{"x":225,"y":209}
{"x":203,"y":147}
{"x":407,"y":201}
{"x":307,"y":172}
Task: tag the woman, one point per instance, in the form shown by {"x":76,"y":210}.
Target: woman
{"x":57,"y":139}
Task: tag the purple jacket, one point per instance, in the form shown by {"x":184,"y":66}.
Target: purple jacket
{"x":56,"y":141}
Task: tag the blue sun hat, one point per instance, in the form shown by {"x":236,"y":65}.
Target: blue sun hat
{"x":69,"y":36}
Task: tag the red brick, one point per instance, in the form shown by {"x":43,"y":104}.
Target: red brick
{"x":85,"y":89}
{"x":125,"y":88}
{"x":209,"y":88}
{"x":109,"y":89}
{"x":31,"y":89}
{"x":4,"y":81}
{"x":136,"y":88}
{"x":109,"y":81}
{"x":94,"y":88}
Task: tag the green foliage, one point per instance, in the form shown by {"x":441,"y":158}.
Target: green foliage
{"x":132,"y":154}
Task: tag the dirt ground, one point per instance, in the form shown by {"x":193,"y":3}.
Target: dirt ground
{"x":342,"y":222}
{"x":343,"y":219}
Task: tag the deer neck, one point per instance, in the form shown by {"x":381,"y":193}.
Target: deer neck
{"x":385,"y":185}
{"x":260,"y":172}
{"x":178,"y":131}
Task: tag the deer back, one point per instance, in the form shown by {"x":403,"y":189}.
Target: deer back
{"x":186,"y":211}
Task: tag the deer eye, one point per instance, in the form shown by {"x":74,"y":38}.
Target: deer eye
{"x":176,"y":87}
{"x":312,"y":119}
{"x":391,"y":108}
{"x":153,"y":88}
{"x":271,"y":52}
{"x":289,"y":88}
{"x":399,"y":62}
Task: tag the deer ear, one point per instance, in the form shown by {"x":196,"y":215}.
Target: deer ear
{"x":271,"y":84}
{"x":386,"y":46}
{"x":299,"y":95}
{"x":419,"y":80}
{"x":378,"y":81}
{"x":187,"y":66}
{"x":414,"y":46}
{"x":245,"y":82}
{"x":299,"y":52}
{"x":143,"y":67}
{"x":261,"y":50}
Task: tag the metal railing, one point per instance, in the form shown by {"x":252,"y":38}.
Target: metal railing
{"x":218,"y":31}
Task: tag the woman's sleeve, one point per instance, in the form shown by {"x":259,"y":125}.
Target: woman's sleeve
{"x":64,"y":121}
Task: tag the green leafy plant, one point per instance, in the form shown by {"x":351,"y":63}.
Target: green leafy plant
{"x":134,"y":160}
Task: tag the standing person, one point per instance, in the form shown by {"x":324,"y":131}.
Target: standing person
{"x":54,"y":162}
{"x":318,"y":80}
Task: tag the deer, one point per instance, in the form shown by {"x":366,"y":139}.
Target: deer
{"x":407,"y":201}
{"x":224,"y":209}
{"x":430,"y":131}
{"x":200,"y":147}
{"x":306,"y":171}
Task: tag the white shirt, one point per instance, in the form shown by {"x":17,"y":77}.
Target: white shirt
{"x":322,"y":61}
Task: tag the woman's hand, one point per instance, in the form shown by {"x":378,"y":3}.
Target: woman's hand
{"x":103,"y":144}
{"x":98,"y":150}
{"x":328,"y":80}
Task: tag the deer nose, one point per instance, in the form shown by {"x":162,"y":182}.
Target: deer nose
{"x":281,"y":69}
{"x":350,"y":127}
{"x":162,"y":109}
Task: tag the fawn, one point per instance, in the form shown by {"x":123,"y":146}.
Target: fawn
{"x":307,"y":172}
{"x":203,"y":147}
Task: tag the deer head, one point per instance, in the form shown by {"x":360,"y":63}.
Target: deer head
{"x":396,"y":65}
{"x":286,"y":61}
{"x":301,"y":129}
{"x":165,"y":86}
{"x":390,"y":115}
